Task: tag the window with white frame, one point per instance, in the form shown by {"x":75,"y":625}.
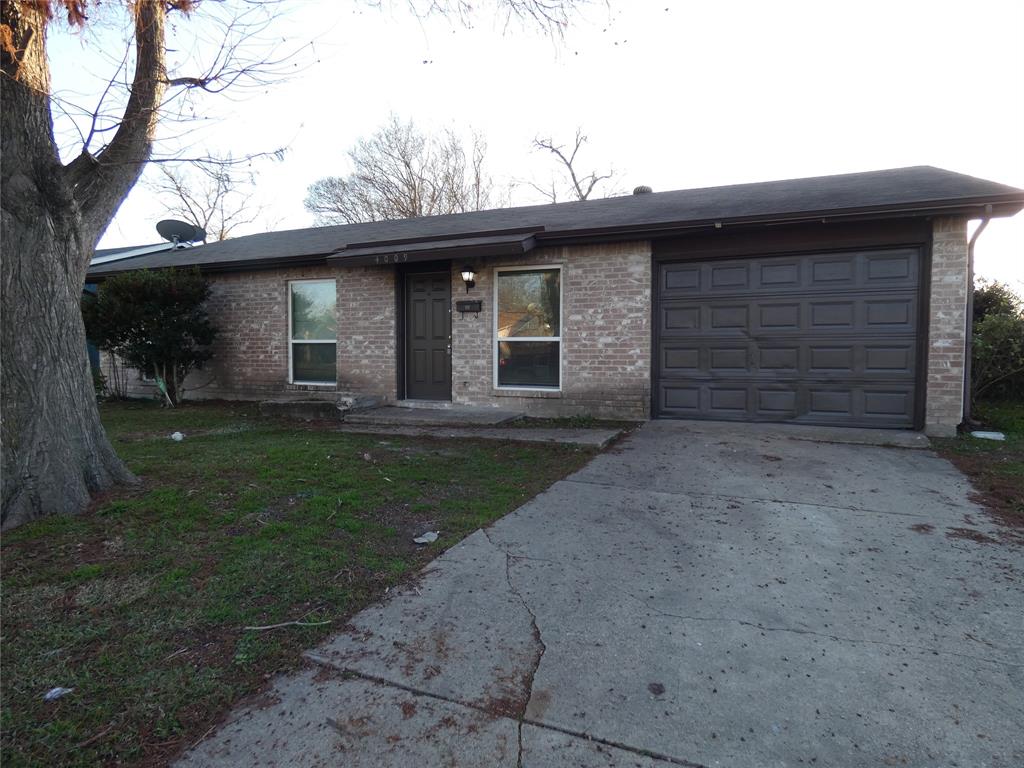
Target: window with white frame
{"x":528,"y":327}
{"x":312,"y":332}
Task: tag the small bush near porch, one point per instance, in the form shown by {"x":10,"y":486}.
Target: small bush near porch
{"x":140,"y":606}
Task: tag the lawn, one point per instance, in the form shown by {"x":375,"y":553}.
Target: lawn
{"x":141,"y":605}
{"x":995,"y":468}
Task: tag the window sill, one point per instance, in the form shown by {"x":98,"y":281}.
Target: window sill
{"x":539,"y":393}
{"x":300,"y":387}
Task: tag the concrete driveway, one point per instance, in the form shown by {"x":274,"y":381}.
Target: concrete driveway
{"x":701,"y":595}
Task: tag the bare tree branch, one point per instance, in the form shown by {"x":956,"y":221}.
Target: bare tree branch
{"x":581,"y":186}
{"x":401,"y":173}
{"x":552,"y":16}
{"x":215,"y":197}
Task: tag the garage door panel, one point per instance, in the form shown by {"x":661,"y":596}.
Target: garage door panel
{"x":892,"y":268}
{"x":729,"y":317}
{"x":779,"y":275}
{"x":682,"y":400}
{"x":830,"y":272}
{"x":683,"y":318}
{"x":729,"y":359}
{"x":895,"y":268}
{"x":867,"y":313}
{"x":797,"y":401}
{"x":895,"y":313}
{"x":823,"y":358}
{"x":826,"y":338}
{"x":680,"y":359}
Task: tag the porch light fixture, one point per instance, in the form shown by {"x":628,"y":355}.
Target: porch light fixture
{"x":468,"y":277}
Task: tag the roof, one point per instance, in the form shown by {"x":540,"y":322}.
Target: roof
{"x":105,"y":255}
{"x":916,"y":191}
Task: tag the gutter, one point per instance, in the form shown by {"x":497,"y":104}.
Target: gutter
{"x":969,"y":324}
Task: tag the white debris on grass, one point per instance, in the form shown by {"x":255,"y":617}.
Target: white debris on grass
{"x":426,"y":538}
{"x":177,"y":437}
{"x":989,"y":435}
{"x":55,"y":693}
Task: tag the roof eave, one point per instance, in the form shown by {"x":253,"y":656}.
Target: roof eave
{"x":987,"y":207}
{"x":981,"y":207}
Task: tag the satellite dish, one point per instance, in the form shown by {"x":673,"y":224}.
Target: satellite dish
{"x":180,"y":231}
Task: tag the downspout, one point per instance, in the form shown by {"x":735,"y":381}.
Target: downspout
{"x":969,"y":339}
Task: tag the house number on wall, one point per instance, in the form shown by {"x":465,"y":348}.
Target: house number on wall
{"x":392,"y":258}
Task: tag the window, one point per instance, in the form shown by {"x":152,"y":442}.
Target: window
{"x":528,"y":327}
{"x":313,"y":332}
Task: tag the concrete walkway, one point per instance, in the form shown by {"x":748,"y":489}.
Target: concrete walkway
{"x":583,"y":437}
{"x":701,"y":595}
{"x":452,"y":416}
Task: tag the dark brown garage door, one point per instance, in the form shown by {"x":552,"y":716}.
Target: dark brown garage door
{"x":825,"y":338}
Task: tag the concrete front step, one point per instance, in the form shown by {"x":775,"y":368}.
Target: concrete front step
{"x":454,"y":416}
{"x":317,"y":409}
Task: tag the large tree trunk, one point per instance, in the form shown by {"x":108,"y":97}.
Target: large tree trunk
{"x":55,"y":453}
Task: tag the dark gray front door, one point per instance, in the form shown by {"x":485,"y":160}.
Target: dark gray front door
{"x":428,"y":330}
{"x":825,"y":338}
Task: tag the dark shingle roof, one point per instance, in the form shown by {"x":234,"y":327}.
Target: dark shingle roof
{"x":914,"y":191}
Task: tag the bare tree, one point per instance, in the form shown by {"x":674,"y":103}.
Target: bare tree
{"x":55,"y":453}
{"x":401,"y":173}
{"x":54,"y":450}
{"x":217,"y":197}
{"x":580,"y":185}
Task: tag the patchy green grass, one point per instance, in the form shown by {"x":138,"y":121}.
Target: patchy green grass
{"x":141,"y":604}
{"x":995,"y":468}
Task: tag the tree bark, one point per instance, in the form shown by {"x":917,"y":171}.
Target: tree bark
{"x":55,"y":453}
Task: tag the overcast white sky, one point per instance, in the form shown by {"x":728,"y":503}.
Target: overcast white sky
{"x":673,"y":94}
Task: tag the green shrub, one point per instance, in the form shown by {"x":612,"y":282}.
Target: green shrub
{"x":997,"y":356}
{"x":154,"y":322}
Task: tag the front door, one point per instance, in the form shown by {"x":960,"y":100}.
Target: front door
{"x":428,"y":336}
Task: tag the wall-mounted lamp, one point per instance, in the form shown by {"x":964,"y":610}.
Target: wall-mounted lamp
{"x":468,"y":277}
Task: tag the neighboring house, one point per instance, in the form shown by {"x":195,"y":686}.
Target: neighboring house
{"x":833,"y":300}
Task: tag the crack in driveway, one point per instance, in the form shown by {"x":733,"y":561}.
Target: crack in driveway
{"x":538,"y":642}
{"x":349,"y":673}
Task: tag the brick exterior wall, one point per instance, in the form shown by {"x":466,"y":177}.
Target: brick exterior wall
{"x":947,"y":319}
{"x":250,"y":355}
{"x":606,"y":335}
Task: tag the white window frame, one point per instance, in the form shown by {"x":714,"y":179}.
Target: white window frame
{"x":495,"y":351}
{"x":292,"y":341}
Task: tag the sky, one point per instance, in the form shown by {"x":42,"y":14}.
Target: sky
{"x":671,"y":94}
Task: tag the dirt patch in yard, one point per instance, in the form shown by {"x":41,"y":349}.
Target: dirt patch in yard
{"x":994,"y":467}
{"x":1001,"y":495}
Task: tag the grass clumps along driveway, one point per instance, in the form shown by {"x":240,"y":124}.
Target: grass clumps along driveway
{"x":140,"y":604}
{"x":995,"y":468}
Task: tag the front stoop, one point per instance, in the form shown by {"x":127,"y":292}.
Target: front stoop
{"x":317,"y":409}
{"x":454,"y":416}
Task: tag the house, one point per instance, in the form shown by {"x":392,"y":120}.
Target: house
{"x":837,"y":300}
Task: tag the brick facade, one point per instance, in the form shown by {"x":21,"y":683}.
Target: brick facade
{"x":250,"y":355}
{"x":606,"y":335}
{"x":947,"y":326}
